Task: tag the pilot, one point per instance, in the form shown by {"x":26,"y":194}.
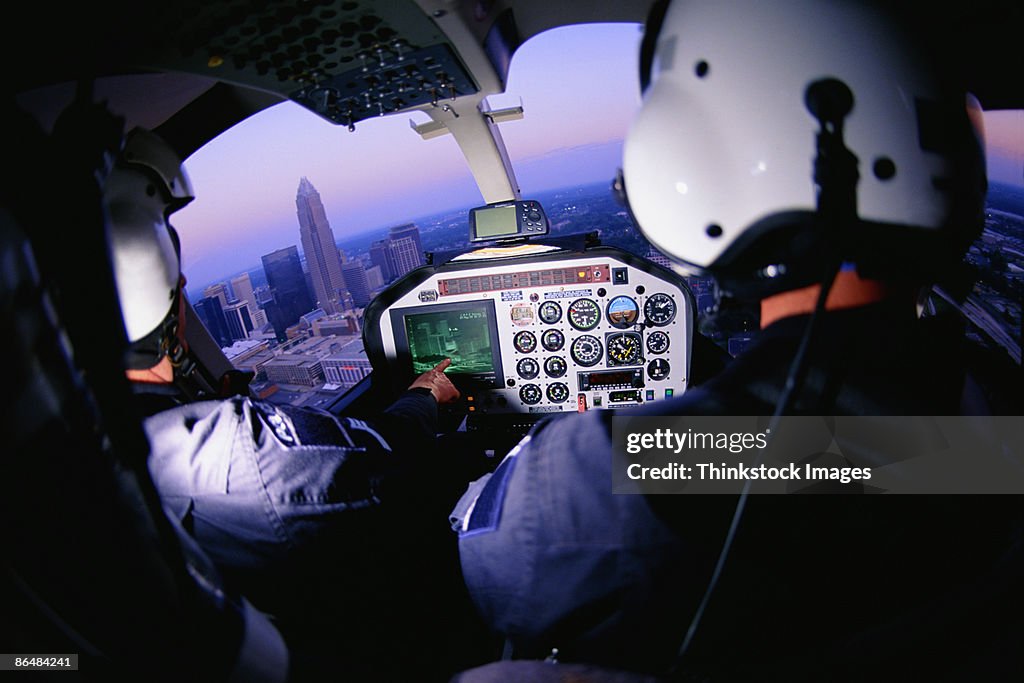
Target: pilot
{"x":789,"y":149}
{"x":257,"y":484}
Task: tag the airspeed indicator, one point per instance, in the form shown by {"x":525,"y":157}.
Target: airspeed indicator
{"x":584,"y":314}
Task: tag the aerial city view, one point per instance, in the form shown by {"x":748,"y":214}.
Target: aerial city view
{"x":295,"y":320}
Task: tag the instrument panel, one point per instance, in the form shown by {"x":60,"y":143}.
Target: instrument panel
{"x":558,"y":332}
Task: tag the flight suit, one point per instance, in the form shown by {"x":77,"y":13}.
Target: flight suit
{"x":816,"y":586}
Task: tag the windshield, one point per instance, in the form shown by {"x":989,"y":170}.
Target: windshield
{"x":277,"y":184}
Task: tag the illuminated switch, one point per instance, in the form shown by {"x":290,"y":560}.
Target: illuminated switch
{"x":650,"y":394}
{"x":597,"y":401}
{"x":669,"y":392}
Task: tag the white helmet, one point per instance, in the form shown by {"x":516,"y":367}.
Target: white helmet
{"x":146,"y":185}
{"x":718,"y":165}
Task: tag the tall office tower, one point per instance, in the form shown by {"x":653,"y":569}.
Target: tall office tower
{"x":409,"y":230}
{"x":220,"y":292}
{"x":374,"y":278}
{"x":210,"y":312}
{"x":259,"y":318}
{"x":355,"y":282}
{"x":404,"y":255}
{"x":288,"y":285}
{"x":242,"y":286}
{"x":380,"y":255}
{"x":318,"y":245}
{"x":239,"y":321}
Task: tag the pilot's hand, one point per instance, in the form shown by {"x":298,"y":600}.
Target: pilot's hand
{"x":438,"y":383}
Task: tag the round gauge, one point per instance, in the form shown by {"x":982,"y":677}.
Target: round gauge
{"x":623,"y":312}
{"x":530,"y":394}
{"x":550,"y":312}
{"x":528,"y":368}
{"x":558,"y":392}
{"x":657,"y":342}
{"x":555,"y":366}
{"x":624,"y":348}
{"x":552,"y":340}
{"x":586,"y":350}
{"x":525,"y":342}
{"x":658,"y":369}
{"x":659,"y":309}
{"x":584,"y":314}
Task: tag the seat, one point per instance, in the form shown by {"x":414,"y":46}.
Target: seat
{"x":92,"y":565}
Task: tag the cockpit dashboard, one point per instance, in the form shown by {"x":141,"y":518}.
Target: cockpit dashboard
{"x":533,"y":330}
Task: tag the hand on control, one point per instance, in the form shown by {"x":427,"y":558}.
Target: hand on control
{"x":438,"y":383}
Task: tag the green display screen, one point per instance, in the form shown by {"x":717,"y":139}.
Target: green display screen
{"x":464,"y":335}
{"x":496,"y":221}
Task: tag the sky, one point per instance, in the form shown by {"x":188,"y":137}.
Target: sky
{"x":384,"y":174}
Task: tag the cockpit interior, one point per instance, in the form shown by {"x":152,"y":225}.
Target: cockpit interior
{"x":539,"y":322}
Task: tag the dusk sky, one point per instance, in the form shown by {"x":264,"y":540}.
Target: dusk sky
{"x":384,"y":174}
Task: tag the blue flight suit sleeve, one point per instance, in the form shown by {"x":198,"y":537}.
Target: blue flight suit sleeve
{"x":253,"y":481}
{"x":553,"y":559}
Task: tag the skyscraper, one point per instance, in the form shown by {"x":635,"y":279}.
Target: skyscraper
{"x":404,"y":255}
{"x":355,"y":282}
{"x":238,"y":319}
{"x":409,"y":230}
{"x":318,"y":245}
{"x":242,"y":287}
{"x":210,"y":312}
{"x":374,"y":278}
{"x":220,"y":291}
{"x":288,"y":285}
{"x":380,"y":255}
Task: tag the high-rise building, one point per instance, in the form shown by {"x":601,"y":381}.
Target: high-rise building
{"x":290,"y":297}
{"x":242,"y":287}
{"x":409,"y":230}
{"x":404,"y":255}
{"x":318,"y":245}
{"x":210,"y":312}
{"x":355,"y":282}
{"x":380,"y":255}
{"x":220,"y":291}
{"x":239,"y":322}
{"x":374,"y":278}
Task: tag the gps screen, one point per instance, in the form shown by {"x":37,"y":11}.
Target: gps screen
{"x":496,"y":221}
{"x":464,"y":335}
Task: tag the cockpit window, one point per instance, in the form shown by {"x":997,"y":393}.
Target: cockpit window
{"x":993,"y":308}
{"x":241,"y":237}
{"x":389,"y":196}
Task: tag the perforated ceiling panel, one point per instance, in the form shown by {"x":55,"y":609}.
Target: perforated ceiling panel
{"x":345,"y":60}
